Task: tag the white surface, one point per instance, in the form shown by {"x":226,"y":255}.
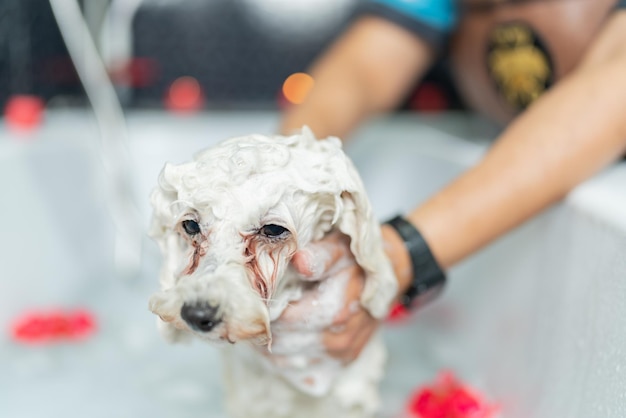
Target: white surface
{"x":536,"y":321}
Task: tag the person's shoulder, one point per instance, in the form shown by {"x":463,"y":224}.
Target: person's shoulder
{"x":441,"y":14}
{"x":432,"y":20}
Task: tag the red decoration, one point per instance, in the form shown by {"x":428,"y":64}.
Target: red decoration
{"x":24,"y":113}
{"x":38,"y":327}
{"x":398,"y":312}
{"x":446,"y":397}
{"x":184,"y":95}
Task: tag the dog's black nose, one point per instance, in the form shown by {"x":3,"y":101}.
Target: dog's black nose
{"x":200,"y":317}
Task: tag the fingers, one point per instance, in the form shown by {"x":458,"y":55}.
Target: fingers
{"x":296,"y":314}
{"x":322,"y":258}
{"x":347,"y":344}
{"x":353,"y":326}
{"x":352,"y":297}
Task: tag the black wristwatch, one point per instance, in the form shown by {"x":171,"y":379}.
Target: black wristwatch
{"x":428,"y":277}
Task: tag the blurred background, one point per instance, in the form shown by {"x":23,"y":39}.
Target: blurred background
{"x":98,"y":94}
{"x":239,"y":52}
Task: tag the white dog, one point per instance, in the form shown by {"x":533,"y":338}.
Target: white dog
{"x":227,"y":224}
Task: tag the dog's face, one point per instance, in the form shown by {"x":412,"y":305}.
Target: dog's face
{"x":229,"y":222}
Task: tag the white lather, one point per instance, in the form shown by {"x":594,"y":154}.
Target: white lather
{"x":256,"y":201}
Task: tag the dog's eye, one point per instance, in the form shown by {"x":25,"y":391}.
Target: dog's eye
{"x":273,"y":231}
{"x":191,"y":227}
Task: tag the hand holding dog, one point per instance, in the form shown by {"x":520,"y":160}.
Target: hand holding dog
{"x":329,"y":258}
{"x":353,"y":326}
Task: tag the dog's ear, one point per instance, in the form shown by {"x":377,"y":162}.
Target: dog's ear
{"x":162,"y":198}
{"x":162,"y":224}
{"x":357,"y":221}
{"x":354,"y":217}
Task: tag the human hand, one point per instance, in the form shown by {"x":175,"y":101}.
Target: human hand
{"x":352,"y":326}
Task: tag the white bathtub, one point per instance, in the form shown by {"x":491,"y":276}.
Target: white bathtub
{"x":536,"y":322}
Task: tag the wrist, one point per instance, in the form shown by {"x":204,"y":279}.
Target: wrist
{"x":399,"y":256}
{"x":414,"y":263}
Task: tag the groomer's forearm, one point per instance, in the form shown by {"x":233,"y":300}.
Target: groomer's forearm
{"x":335,"y":106}
{"x":568,"y":135}
{"x":367,"y":71}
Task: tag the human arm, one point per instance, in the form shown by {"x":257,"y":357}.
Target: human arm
{"x":569,"y":134}
{"x":368,"y":70}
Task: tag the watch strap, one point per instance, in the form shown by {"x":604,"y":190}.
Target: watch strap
{"x":428,"y":277}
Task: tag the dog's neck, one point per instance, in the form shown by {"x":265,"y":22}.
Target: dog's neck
{"x":297,"y":352}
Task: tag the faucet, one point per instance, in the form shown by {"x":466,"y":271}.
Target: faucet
{"x":113,"y":132}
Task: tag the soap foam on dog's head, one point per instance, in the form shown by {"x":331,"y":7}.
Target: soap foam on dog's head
{"x":229,"y":222}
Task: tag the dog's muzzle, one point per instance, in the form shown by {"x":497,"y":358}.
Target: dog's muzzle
{"x":200,"y":316}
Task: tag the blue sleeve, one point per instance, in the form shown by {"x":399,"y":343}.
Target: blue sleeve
{"x":432,"y":20}
{"x":621,"y":4}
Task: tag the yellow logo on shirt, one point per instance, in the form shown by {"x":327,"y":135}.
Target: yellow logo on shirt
{"x":518,"y":63}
